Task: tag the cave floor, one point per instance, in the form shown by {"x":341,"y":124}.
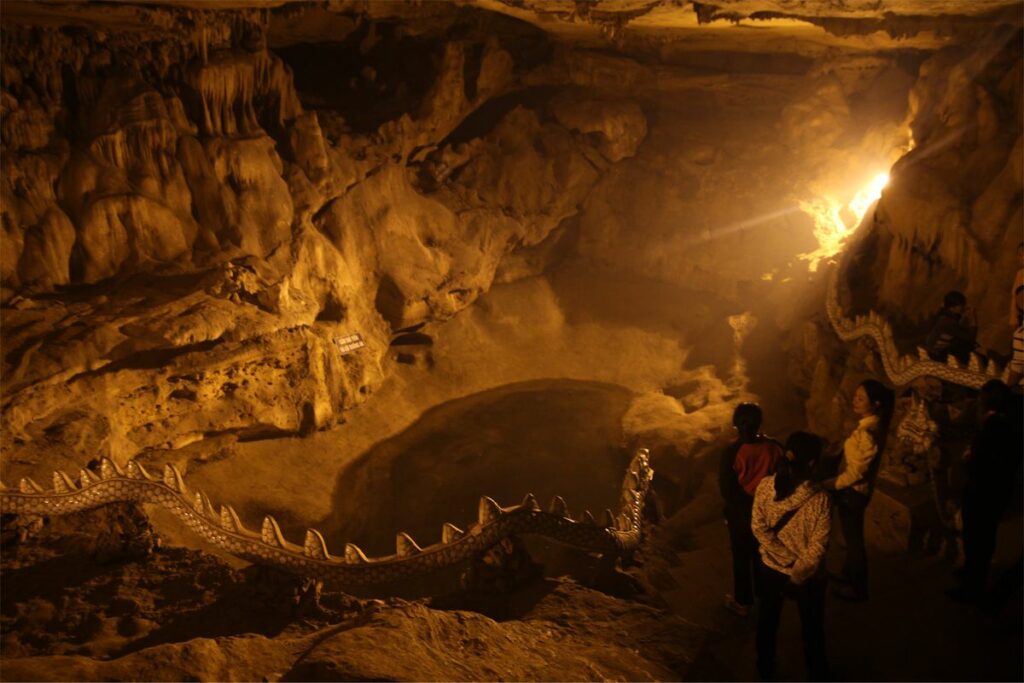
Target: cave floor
{"x":907,"y":630}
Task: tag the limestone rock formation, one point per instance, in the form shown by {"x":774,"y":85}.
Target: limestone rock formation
{"x":952,"y":215}
{"x":322,"y":253}
{"x":214,"y":239}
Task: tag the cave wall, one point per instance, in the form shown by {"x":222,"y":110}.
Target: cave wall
{"x":713,"y":201}
{"x":186,"y":242}
{"x":950,"y":218}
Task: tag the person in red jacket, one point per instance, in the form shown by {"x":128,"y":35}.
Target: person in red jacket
{"x":747,"y":460}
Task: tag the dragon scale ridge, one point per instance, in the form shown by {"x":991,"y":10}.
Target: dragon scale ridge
{"x":903,"y":369}
{"x":616,"y":534}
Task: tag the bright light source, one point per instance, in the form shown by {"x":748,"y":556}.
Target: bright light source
{"x":867,"y":196}
{"x":830,"y":228}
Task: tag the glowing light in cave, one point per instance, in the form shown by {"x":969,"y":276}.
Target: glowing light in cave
{"x":834,"y":220}
{"x":867,"y":196}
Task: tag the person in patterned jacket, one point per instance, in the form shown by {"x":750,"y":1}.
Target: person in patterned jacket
{"x":791,"y":520}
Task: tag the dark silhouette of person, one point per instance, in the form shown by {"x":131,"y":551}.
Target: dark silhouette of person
{"x":862,"y":453}
{"x":1017,"y":359}
{"x":1006,"y":585}
{"x":992,"y":461}
{"x":1016,"y":314}
{"x":791,"y":520}
{"x":743,"y":464}
{"x":953,"y":331}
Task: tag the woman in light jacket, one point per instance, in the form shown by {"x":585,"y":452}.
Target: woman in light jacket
{"x":791,"y":519}
{"x":862,"y":455}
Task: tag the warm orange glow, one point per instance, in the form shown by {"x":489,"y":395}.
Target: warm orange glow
{"x":867,"y":196}
{"x":834,"y":221}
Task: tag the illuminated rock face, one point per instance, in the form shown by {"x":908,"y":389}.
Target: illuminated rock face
{"x":214,"y":238}
{"x":713,"y":200}
{"x":951,"y":217}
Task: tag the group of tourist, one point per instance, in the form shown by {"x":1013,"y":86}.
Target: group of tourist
{"x":779,"y":502}
{"x":778,"y":507}
{"x":780,"y":498}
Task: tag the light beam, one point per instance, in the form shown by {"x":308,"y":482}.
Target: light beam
{"x":831,"y":229}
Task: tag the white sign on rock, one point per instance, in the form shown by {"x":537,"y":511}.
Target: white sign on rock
{"x":349,"y":343}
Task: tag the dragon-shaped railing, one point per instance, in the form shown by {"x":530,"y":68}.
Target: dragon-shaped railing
{"x":615,"y":534}
{"x":918,"y":430}
{"x":903,"y":369}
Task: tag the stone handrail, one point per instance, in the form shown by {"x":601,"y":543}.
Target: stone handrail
{"x":616,"y":534}
{"x":903,"y":369}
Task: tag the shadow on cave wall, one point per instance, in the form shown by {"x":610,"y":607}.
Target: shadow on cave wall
{"x":382,"y":70}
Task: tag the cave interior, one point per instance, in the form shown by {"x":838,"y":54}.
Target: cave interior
{"x":389,"y":276}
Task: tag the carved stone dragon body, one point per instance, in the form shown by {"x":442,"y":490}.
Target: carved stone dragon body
{"x":903,"y":369}
{"x":616,"y":534}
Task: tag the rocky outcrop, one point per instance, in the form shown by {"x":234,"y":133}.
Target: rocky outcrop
{"x":949,"y":219}
{"x":951,"y":216}
{"x":180,"y":230}
{"x":120,"y":620}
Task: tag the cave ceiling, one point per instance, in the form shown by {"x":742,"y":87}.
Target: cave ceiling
{"x":649,"y":28}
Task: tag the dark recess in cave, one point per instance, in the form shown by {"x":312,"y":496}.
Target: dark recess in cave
{"x":394,"y":74}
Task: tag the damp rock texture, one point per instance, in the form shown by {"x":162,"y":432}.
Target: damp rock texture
{"x":202,"y":205}
{"x":193,"y":219}
{"x":952,"y":215}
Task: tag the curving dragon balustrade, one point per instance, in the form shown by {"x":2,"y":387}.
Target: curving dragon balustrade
{"x":917,"y":429}
{"x":903,"y":369}
{"x":616,"y":534}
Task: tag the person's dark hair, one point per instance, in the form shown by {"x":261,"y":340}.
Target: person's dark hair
{"x":995,"y":396}
{"x":747,"y":420}
{"x":883,"y":400}
{"x":954,"y":298}
{"x":789,"y":474}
